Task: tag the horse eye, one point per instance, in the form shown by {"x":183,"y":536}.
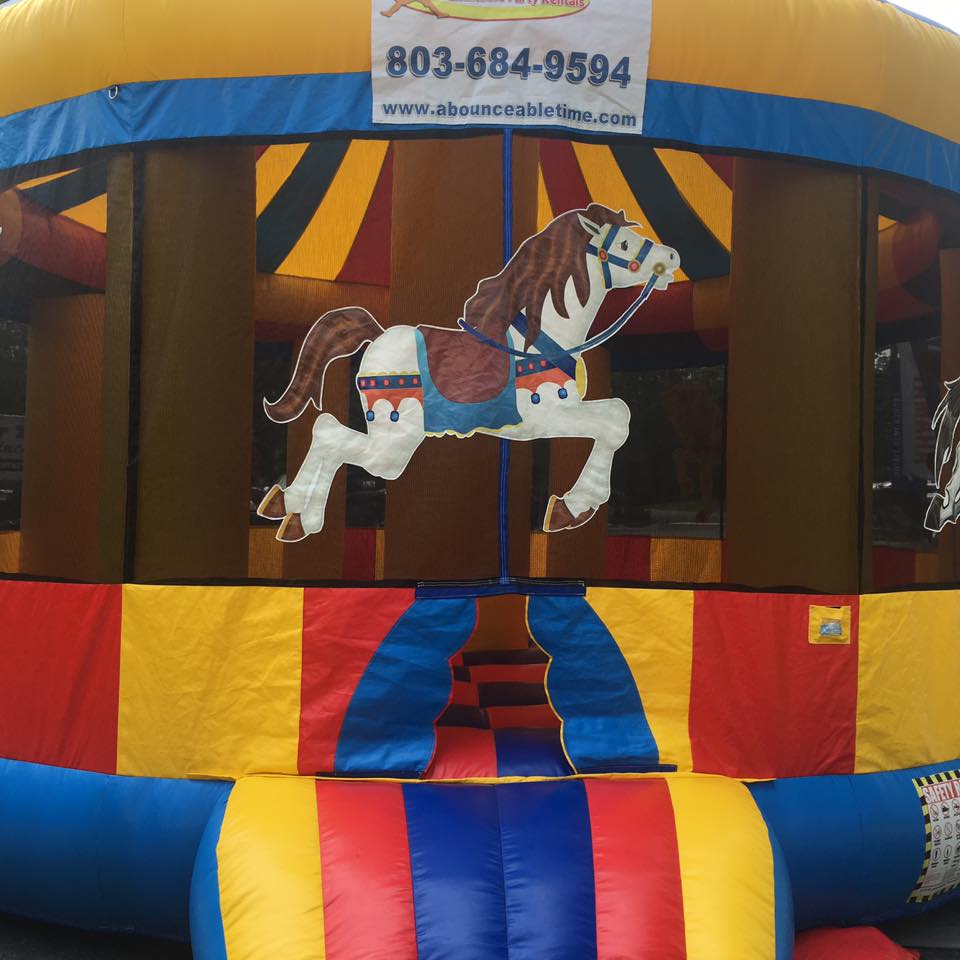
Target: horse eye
{"x":623,"y":246}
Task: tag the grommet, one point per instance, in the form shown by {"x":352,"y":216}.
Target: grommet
{"x":535,"y":398}
{"x":371,"y":416}
{"x":394,"y":416}
{"x":562,"y":393}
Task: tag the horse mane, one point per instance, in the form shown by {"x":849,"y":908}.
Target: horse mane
{"x":946,"y":421}
{"x":543,"y":265}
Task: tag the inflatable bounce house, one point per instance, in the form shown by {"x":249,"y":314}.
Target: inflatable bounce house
{"x":479,"y":478}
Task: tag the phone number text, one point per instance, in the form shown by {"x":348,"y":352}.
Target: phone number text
{"x":574,"y":67}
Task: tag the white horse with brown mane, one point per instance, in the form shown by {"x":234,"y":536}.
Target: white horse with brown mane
{"x":512,"y":369}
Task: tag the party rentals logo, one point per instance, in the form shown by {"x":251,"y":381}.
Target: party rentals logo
{"x":491,"y":9}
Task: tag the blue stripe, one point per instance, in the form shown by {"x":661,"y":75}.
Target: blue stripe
{"x":458,"y":896}
{"x":389,"y":726}
{"x":98,"y":851}
{"x":530,"y":753}
{"x":268,"y":107}
{"x":605,"y":728}
{"x":504,"y":498}
{"x":853,"y":845}
{"x":207,"y":939}
{"x":732,"y":119}
{"x":784,"y":927}
{"x":548,"y":871}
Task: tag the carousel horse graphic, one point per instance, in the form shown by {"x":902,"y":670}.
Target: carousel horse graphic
{"x":513,"y":369}
{"x":945,"y":506}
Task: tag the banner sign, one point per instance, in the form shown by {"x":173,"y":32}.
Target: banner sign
{"x":579,"y":64}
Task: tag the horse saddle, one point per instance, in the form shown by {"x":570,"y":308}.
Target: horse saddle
{"x":463,"y":369}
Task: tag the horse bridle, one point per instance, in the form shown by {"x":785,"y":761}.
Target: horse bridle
{"x":607,"y":258}
{"x":551,"y":350}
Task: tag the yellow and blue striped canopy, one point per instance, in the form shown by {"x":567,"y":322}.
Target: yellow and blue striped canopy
{"x":858,"y":82}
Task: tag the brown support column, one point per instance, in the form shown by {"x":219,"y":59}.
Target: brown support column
{"x":801,"y":362}
{"x":115,"y":398}
{"x":60,"y":511}
{"x":196,"y":366}
{"x":949,"y":540}
{"x":580,"y":553}
{"x":442,"y":520}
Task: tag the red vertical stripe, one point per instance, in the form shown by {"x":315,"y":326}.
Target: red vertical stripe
{"x":636,"y":869}
{"x":369,"y":257}
{"x":60,"y":674}
{"x":764,"y":701}
{"x":342,"y":629}
{"x":463,"y":752}
{"x":628,"y":558}
{"x":360,"y":553}
{"x":562,"y":176}
{"x":365,"y":860}
{"x":893,"y":567}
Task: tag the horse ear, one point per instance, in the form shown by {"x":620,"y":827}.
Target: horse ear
{"x":588,"y":225}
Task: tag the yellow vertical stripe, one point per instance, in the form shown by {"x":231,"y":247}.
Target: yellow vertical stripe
{"x":544,"y":210}
{"x":726,"y":870}
{"x":654,"y":631}
{"x":607,"y":185}
{"x":268,"y":864}
{"x":323,"y":249}
{"x":209,"y":681}
{"x":907,"y":685}
{"x":706,"y":194}
{"x":274,"y":166}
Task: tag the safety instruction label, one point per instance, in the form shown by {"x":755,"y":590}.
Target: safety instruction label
{"x":940,"y":799}
{"x":580,"y":64}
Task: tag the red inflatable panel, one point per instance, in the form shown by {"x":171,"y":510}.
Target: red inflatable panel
{"x":855,"y":943}
{"x":60,"y":682}
{"x":367,"y":884}
{"x":637,"y":871}
{"x":764,"y":701}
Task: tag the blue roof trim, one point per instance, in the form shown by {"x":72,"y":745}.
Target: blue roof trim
{"x":711,"y":117}
{"x":266,"y":108}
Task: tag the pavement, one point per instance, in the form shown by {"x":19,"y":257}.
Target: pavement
{"x":936,"y":935}
{"x":27,"y":940}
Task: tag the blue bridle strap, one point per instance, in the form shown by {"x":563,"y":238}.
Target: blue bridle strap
{"x":608,"y":259}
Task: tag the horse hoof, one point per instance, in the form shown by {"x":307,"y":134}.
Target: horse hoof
{"x":291,"y":530}
{"x":272,"y":506}
{"x":558,"y":517}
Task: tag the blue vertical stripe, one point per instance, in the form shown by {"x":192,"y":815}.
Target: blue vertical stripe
{"x":458,"y":896}
{"x":605,"y":728}
{"x":505,"y":444}
{"x":389,"y":725}
{"x":548,"y":871}
{"x":207,"y":939}
{"x":530,"y":753}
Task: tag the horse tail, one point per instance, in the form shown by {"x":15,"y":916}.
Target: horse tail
{"x":338,"y":333}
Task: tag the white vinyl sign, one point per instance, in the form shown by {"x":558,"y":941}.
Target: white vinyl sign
{"x":579,"y":64}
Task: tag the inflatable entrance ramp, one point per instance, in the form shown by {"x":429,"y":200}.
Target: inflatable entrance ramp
{"x":666,"y":867}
